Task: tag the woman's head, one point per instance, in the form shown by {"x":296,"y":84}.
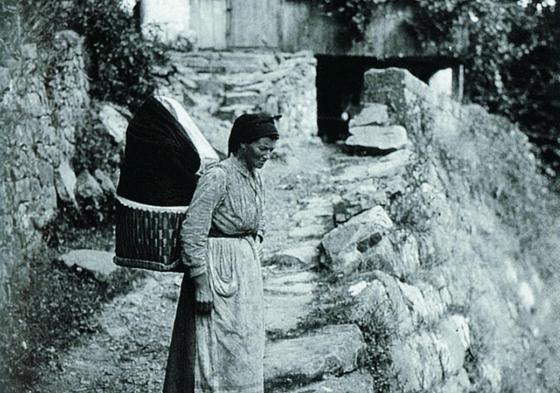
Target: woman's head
{"x":256,"y":153}
{"x":252,"y":138}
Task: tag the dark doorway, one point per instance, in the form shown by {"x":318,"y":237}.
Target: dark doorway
{"x":340,"y":81}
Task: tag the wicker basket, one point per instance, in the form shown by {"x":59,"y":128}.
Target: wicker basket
{"x":147,"y":237}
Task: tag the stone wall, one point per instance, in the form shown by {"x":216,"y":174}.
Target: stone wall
{"x":216,"y":87}
{"x":449,"y":256}
{"x":43,"y":105}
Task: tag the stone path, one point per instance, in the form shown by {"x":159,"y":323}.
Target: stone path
{"x":129,"y":353}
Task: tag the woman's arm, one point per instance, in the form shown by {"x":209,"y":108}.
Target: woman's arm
{"x":194,"y":230}
{"x":262,"y":201}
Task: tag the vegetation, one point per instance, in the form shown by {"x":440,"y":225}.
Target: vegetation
{"x":57,"y":304}
{"x":120,"y":60}
{"x":334,"y":305}
{"x":510,"y":49}
{"x":55,"y":309}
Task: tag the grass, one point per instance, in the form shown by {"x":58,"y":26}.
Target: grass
{"x":57,"y":308}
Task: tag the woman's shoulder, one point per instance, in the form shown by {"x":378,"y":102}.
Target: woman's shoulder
{"x":215,"y":173}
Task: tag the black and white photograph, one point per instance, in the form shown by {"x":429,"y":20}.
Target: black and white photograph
{"x":279,"y":196}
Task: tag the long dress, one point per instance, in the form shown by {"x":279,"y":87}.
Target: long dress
{"x":221,"y":352}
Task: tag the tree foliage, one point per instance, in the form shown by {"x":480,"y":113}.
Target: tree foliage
{"x":510,"y":49}
{"x":119,"y":59}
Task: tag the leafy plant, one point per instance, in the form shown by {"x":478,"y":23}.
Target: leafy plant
{"x":355,"y":15}
{"x":120,"y":60}
{"x":510,"y":50}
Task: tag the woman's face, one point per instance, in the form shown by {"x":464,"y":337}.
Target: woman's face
{"x":256,"y":153}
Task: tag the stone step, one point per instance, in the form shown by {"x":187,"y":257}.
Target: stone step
{"x":313,"y":215}
{"x":307,"y":232}
{"x":287,"y":300}
{"x":231,"y":112}
{"x":356,"y":382}
{"x":392,"y":164}
{"x":304,"y":255}
{"x":378,"y":138}
{"x":296,"y":283}
{"x":243,"y":98}
{"x":331,"y":350}
{"x":371,"y":113}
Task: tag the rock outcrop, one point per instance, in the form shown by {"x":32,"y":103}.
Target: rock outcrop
{"x":426,"y":234}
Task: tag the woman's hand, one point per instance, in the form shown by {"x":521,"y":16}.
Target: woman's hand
{"x":203,"y":293}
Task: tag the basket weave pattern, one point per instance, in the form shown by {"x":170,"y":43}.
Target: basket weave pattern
{"x":148,"y":239}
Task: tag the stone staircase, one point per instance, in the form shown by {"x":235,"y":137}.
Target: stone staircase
{"x":349,"y":209}
{"x":327,"y":228}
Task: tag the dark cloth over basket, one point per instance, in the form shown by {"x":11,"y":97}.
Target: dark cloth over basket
{"x":160,"y":161}
{"x":156,"y":184}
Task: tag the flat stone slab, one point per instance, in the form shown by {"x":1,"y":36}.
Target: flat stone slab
{"x":392,"y":164}
{"x":313,"y":215}
{"x":313,"y":231}
{"x":304,"y":255}
{"x":297,"y":283}
{"x":371,"y":113}
{"x":334,"y":349}
{"x":99,"y":263}
{"x":356,"y":382}
{"x":287,"y":299}
{"x":378,"y":137}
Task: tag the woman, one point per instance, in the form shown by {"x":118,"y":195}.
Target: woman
{"x":218,"y":337}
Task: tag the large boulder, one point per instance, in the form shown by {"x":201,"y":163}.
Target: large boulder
{"x":91,"y":198}
{"x":88,"y":188}
{"x":105,"y":181}
{"x":334,"y":349}
{"x":396,"y":253}
{"x":65,"y":183}
{"x":345,"y":245}
{"x":113,"y":122}
{"x":425,"y":359}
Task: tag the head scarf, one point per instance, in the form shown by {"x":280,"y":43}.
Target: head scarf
{"x":250,"y":127}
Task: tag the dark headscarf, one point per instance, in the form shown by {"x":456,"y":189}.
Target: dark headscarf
{"x":160,"y":161}
{"x":250,"y":127}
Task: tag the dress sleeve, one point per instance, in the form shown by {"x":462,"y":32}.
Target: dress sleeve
{"x":261,"y":230}
{"x":194,"y":230}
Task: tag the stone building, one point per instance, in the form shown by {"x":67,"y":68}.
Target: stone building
{"x":292,"y":26}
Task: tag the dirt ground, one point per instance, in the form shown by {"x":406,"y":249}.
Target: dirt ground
{"x":129,"y":353}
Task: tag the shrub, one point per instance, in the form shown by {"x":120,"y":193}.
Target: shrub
{"x":120,"y":59}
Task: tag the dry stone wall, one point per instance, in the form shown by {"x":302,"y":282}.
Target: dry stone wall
{"x":445,"y":245}
{"x":216,"y":87}
{"x":42,"y":110}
